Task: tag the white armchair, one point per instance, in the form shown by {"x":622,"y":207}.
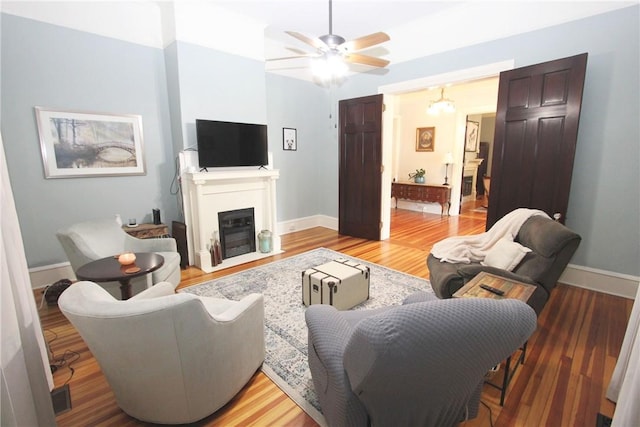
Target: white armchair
{"x":169,"y":358}
{"x":91,"y":240}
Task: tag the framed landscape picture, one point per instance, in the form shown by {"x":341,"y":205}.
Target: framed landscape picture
{"x":471,"y":139}
{"x":425,"y":139}
{"x":79,"y":144}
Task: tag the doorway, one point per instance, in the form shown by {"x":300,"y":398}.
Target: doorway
{"x":477,"y":160}
{"x":393,"y":120}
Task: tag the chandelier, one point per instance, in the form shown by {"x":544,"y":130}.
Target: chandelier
{"x":441,"y":105}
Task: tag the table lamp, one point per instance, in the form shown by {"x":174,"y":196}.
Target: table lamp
{"x":448,"y":160}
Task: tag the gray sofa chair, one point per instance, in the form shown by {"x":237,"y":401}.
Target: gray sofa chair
{"x":91,"y":240}
{"x":552,"y":246}
{"x":419,"y":364}
{"x":169,"y":358}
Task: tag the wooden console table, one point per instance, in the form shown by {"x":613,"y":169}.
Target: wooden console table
{"x":423,"y":193}
{"x":147,"y":231}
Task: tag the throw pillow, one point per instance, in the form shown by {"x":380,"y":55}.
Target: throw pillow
{"x":505,"y":255}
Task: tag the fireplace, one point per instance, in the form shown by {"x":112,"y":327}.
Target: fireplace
{"x":205,"y":194}
{"x":467,"y":185}
{"x":237,"y":232}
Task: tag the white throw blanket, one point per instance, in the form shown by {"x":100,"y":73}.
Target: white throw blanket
{"x":466,"y":249}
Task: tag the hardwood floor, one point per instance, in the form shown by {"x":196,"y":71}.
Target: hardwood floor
{"x":569,"y":361}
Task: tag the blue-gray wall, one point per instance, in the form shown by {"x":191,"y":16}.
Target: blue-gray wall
{"x":604,"y":206}
{"x":218,"y":86}
{"x":308,"y":176}
{"x":51,"y":66}
{"x":56,"y":67}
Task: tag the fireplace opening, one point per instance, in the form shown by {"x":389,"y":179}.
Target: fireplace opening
{"x":467,"y":185}
{"x":237,"y":232}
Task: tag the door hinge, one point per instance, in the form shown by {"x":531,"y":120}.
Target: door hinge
{"x":380,"y":225}
{"x":381,"y":168}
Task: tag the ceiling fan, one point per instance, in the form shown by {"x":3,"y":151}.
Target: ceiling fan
{"x":334,"y":51}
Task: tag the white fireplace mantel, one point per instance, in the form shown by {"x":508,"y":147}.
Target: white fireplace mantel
{"x":471,"y":169}
{"x":205,"y":194}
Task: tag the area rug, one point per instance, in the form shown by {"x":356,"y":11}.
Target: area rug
{"x":285,"y":328}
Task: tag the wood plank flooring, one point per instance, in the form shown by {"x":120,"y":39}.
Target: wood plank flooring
{"x":569,"y":361}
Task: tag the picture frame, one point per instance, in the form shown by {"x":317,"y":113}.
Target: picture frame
{"x":289,"y":139}
{"x":425,"y":138}
{"x":471,"y":136}
{"x":82,"y":144}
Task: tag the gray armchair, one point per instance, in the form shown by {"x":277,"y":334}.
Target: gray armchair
{"x":419,"y":364}
{"x":169,"y":358}
{"x":552,"y":246}
{"x":91,"y":240}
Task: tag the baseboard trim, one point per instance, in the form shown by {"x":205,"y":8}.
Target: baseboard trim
{"x":608,"y":282}
{"x":48,"y":274}
{"x":286,"y":227}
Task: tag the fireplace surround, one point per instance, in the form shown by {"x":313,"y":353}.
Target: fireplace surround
{"x":205,"y":194}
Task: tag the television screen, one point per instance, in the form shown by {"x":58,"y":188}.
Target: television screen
{"x":226,"y":144}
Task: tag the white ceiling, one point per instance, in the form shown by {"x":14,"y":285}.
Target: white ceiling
{"x":255,"y":28}
{"x":351,"y":18}
{"x":416,"y":28}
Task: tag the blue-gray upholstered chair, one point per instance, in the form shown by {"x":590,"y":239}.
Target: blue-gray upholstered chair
{"x":91,"y":240}
{"x":552,"y":245}
{"x":419,"y":364}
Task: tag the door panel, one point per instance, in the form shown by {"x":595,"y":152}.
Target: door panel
{"x":536,"y":130}
{"x":360,"y":167}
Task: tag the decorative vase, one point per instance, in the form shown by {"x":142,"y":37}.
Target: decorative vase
{"x":218,"y":247}
{"x":419,"y":179}
{"x":264,"y":241}
{"x":212,"y":252}
{"x":215,"y":250}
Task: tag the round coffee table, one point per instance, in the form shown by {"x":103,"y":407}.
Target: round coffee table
{"x":109,"y":270}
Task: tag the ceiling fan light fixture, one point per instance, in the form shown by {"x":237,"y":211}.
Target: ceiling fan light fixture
{"x":329,"y":67}
{"x":333,"y":53}
{"x":441,"y":105}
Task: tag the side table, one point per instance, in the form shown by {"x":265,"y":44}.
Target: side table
{"x":109,"y":269}
{"x":512,"y":289}
{"x":147,"y":231}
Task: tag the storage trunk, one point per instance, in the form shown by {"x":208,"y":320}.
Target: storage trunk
{"x":340,"y":283}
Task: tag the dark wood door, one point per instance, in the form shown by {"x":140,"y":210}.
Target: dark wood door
{"x":360,"y":167}
{"x":535,"y":140}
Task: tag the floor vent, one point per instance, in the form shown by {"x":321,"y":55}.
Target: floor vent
{"x":61,"y":399}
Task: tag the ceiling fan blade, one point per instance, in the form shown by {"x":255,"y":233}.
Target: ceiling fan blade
{"x":309,"y":55}
{"x":311,"y":41}
{"x":297,"y":51}
{"x":365,"y":41}
{"x":366,"y":60}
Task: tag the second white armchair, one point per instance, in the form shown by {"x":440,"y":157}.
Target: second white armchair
{"x":91,"y":240}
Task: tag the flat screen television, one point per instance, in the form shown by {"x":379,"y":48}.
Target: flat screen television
{"x":228,"y":144}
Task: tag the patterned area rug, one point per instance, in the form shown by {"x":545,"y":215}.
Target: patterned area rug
{"x":285,"y":328}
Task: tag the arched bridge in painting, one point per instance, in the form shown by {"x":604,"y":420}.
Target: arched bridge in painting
{"x":115,"y":144}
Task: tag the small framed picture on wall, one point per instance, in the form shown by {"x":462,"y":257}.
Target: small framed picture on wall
{"x":425,"y":139}
{"x":289,"y":139}
{"x":471,"y":139}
